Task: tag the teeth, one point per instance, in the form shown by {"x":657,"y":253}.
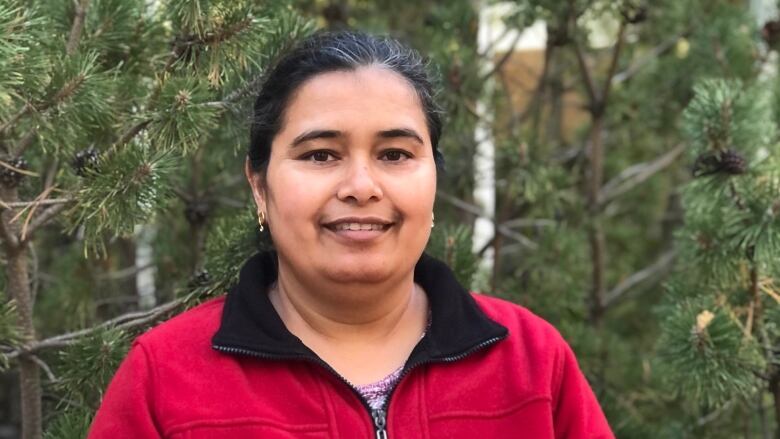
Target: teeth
{"x":358,"y":226}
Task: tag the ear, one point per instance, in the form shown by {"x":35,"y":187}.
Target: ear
{"x":256,"y":183}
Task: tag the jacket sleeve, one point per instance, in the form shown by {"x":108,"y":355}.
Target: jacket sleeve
{"x":127,"y":406}
{"x":577,"y":413}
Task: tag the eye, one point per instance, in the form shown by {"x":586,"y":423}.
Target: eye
{"x":320,"y":156}
{"x":395,"y":155}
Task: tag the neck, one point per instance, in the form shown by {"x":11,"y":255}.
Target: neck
{"x":349,"y":313}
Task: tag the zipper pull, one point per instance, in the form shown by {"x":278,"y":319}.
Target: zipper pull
{"x":380,"y":422}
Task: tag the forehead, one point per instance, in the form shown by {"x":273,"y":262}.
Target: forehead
{"x":363,"y":96}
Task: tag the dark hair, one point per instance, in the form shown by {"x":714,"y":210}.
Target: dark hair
{"x":333,"y":51}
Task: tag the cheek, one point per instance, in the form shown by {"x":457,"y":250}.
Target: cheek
{"x":293,"y":202}
{"x":414,"y":199}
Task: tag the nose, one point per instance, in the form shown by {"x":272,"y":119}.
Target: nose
{"x":359,"y":185}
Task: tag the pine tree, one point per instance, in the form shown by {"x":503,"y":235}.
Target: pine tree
{"x":123,"y":125}
{"x":720,"y":329}
{"x":105,"y":104}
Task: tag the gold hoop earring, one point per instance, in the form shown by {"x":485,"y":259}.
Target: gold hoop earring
{"x":261,"y":219}
{"x":433,"y":218}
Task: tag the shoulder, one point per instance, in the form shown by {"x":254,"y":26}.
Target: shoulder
{"x":533,"y":344}
{"x":192,"y":329}
{"x":518,"y":320}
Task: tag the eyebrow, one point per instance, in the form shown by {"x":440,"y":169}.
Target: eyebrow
{"x":401,"y":132}
{"x":315,"y":134}
{"x":392,"y":133}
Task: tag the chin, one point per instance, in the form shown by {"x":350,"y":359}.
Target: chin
{"x":366,"y":273}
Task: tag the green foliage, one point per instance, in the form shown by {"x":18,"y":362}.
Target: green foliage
{"x":232,"y":241}
{"x":10,"y":336}
{"x":452,"y":244}
{"x":73,"y":424}
{"x":716,"y":327}
{"x":705,"y":355}
{"x":69,"y":297}
{"x":724,"y":41}
{"x":184,"y":116}
{"x":78,"y":101}
{"x":185,"y":72}
{"x":126,"y":189}
{"x":724,"y":115}
{"x":19,"y":61}
{"x":85,"y":368}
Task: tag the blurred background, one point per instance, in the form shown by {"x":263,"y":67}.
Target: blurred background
{"x":613,"y":165}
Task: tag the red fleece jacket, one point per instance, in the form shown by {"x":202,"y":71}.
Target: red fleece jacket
{"x":174,"y":385}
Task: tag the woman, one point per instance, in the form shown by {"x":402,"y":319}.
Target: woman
{"x":348,"y":330}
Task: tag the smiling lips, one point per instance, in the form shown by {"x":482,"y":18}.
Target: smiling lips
{"x":358,"y":226}
{"x":354,"y":226}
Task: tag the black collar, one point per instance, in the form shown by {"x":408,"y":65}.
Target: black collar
{"x":250,"y":324}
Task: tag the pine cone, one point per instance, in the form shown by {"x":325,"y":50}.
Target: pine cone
{"x":200,"y":279}
{"x":197,"y":211}
{"x":727,"y":162}
{"x":185,"y":49}
{"x":558,"y":37}
{"x":771,"y":33}
{"x":84,"y":160}
{"x":11,"y":178}
{"x":634,"y":14}
{"x":733,"y":163}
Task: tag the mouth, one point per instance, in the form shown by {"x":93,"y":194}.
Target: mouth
{"x":354,"y":230}
{"x":357,"y":227}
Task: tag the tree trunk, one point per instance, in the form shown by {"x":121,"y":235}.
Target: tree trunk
{"x":774,"y":387}
{"x":18,"y":285}
{"x":596,"y":230}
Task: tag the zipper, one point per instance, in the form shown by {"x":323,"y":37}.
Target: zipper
{"x":379,"y":416}
{"x":380,"y":423}
{"x":376,"y":416}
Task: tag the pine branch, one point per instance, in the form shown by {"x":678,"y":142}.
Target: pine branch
{"x":616,"y":52}
{"x":63,"y":93}
{"x":654,"y":54}
{"x":504,"y":58}
{"x":246,"y":89}
{"x":125,"y":273}
{"x":33,"y":207}
{"x":635,"y":175}
{"x":660,"y":266}
{"x":128,"y":136}
{"x":597,"y":106}
{"x":715,"y":414}
{"x":229,"y":202}
{"x":42,"y":219}
{"x":78,"y":26}
{"x":44,"y":202}
{"x":590,"y":88}
{"x":183,"y":44}
{"x":541,"y":85}
{"x":44,"y":366}
{"x":489,"y":48}
{"x":25,"y":143}
{"x":132,"y":320}
{"x":500,"y":228}
{"x":224,"y":34}
{"x":15,"y":118}
{"x":19,"y":170}
{"x":530,"y":222}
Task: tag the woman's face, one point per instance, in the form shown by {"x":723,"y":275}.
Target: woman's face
{"x":351,"y":180}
